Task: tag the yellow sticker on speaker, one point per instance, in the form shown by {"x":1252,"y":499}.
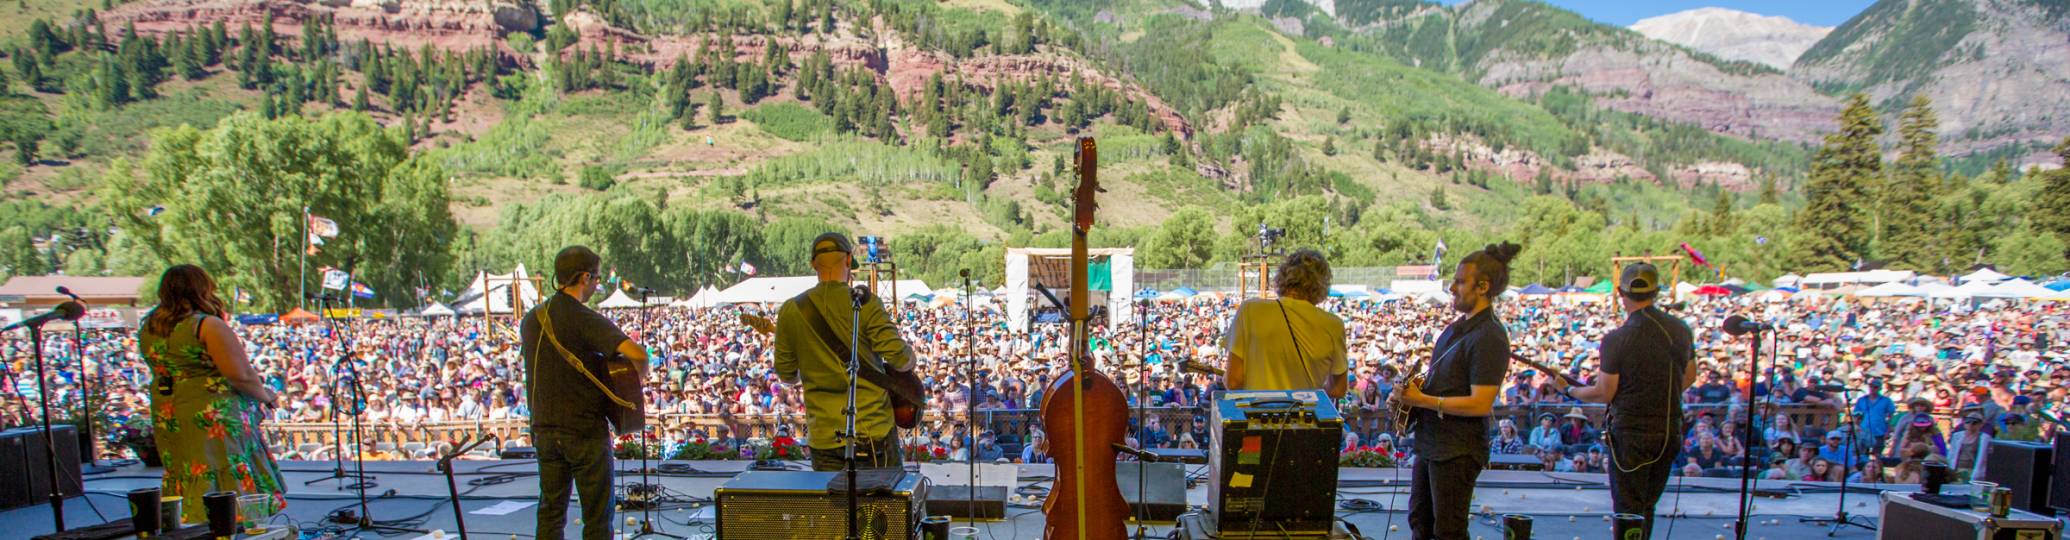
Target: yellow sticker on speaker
{"x":1240,"y":480}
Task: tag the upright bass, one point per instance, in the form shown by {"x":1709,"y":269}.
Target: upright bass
{"x":1084,"y":411}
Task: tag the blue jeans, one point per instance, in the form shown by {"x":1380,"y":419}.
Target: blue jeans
{"x":586,"y":462}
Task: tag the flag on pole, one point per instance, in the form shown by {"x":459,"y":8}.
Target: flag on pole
{"x":335,"y":280}
{"x":1695,"y":255}
{"x":320,"y":226}
{"x":1437,"y":263}
{"x":361,"y":290}
{"x":746,"y":268}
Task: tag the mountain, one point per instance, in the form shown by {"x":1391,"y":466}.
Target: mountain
{"x":1735,"y":35}
{"x":1998,"y":71}
{"x":1525,"y":47}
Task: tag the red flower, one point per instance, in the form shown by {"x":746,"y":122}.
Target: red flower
{"x":197,"y":469}
{"x":940,"y":452}
{"x":216,"y":431}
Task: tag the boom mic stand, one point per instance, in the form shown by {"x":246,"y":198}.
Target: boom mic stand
{"x":359,"y":459}
{"x":1142,"y":428}
{"x":1840,"y":517}
{"x":359,"y":480}
{"x":70,"y":311}
{"x":647,"y":450}
{"x":93,"y":461}
{"x":970,"y":405}
{"x":1746,"y":459}
{"x":848,"y":437}
{"x":445,"y":465}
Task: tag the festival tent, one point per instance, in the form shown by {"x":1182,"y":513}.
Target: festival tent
{"x":705,"y":297}
{"x":2058,"y":285}
{"x":1684,"y":289}
{"x":765,"y":290}
{"x":1891,"y":290}
{"x":1170,"y":296}
{"x":1943,"y":291}
{"x":619,"y":300}
{"x":1985,"y":275}
{"x":1570,"y":289}
{"x":1833,"y":280}
{"x":1535,"y":289}
{"x":1791,"y":280}
{"x":1601,"y":287}
{"x":2018,"y":288}
{"x":491,"y":293}
{"x":1712,"y":290}
{"x":435,"y":310}
{"x":1774,"y":295}
{"x":299,"y":316}
{"x":1422,"y":289}
{"x":1146,"y":293}
{"x":1348,"y":291}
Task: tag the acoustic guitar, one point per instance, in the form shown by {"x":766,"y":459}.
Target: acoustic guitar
{"x":908,"y":397}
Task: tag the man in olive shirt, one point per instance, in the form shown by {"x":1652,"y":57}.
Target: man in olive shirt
{"x":802,"y":356}
{"x":1289,"y":343}
{"x":1646,"y":365}
{"x":568,"y":425}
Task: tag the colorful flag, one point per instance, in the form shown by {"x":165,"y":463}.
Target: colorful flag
{"x":1695,"y":255}
{"x":322,"y":226}
{"x":155,"y":210}
{"x":746,"y":268}
{"x":361,"y":290}
{"x":335,"y":279}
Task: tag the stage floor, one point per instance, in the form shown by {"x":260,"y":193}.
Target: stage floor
{"x":1562,"y":505}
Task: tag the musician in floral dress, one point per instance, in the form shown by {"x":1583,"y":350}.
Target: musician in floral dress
{"x":206,"y":399}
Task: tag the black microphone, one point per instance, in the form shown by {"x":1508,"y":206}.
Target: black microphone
{"x":1829,"y":388}
{"x":70,"y":311}
{"x":859,"y":294}
{"x":1738,"y":325}
{"x":68,"y":292}
{"x":643,"y":290}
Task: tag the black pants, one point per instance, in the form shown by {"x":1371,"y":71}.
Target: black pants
{"x":585,"y":461}
{"x":1638,"y":491}
{"x":875,"y":454}
{"x":1441,"y":497}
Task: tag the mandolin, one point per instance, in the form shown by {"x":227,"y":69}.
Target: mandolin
{"x":1086,"y":414}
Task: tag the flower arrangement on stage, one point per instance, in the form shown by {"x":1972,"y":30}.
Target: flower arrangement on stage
{"x":695,"y":450}
{"x":1370,"y":456}
{"x":629,"y":446}
{"x":780,"y":449}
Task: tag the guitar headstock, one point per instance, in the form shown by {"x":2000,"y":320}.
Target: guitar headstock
{"x":1088,"y":183}
{"x":758,"y":322}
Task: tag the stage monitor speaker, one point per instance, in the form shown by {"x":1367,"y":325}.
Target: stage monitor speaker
{"x":955,"y":502}
{"x":1164,"y":489}
{"x":518,"y":452}
{"x":1272,"y":462}
{"x":22,"y":450}
{"x":796,"y":505}
{"x":2059,"y":484}
{"x":2024,"y":468}
{"x":1907,"y":519}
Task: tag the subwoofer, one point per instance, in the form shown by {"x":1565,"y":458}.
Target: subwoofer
{"x":2023,"y":467}
{"x":796,"y":505}
{"x":23,"y":453}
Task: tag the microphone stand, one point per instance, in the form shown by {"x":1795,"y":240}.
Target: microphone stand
{"x":338,"y":408}
{"x":848,"y":437}
{"x":1746,"y":459}
{"x":57,"y":501}
{"x":970,"y":405}
{"x":93,"y":461}
{"x":1840,"y":517}
{"x":359,"y":459}
{"x":445,"y":465}
{"x":647,"y":451}
{"x":1142,"y":428}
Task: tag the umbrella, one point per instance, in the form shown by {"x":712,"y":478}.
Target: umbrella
{"x":2059,"y":285}
{"x":1355,"y":293}
{"x":298,"y":316}
{"x":1185,"y":292}
{"x":1535,"y":289}
{"x":1146,"y":292}
{"x":1711,"y":290}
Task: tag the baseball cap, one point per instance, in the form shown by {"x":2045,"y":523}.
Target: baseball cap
{"x":833,"y":242}
{"x":1639,"y":278}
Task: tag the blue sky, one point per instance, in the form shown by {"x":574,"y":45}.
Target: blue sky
{"x":1626,"y":12}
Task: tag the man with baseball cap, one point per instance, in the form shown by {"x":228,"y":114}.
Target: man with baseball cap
{"x":804,"y":355}
{"x":1651,"y":347}
{"x":568,"y":405}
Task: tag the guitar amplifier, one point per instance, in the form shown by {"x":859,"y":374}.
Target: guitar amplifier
{"x":1907,"y":519}
{"x":23,"y":454}
{"x":1272,"y":458}
{"x":2023,"y":467}
{"x":796,"y":505}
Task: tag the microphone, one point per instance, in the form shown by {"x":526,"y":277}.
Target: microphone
{"x":70,"y":311}
{"x":68,"y":292}
{"x":643,"y":290}
{"x":1739,"y":325}
{"x":859,"y":294}
{"x":1829,"y":388}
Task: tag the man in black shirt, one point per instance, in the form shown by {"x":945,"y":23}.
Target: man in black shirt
{"x":1651,"y":347}
{"x":568,"y":425}
{"x":1451,"y":406}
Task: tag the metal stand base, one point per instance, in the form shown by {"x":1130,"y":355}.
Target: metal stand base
{"x":1842,"y":520}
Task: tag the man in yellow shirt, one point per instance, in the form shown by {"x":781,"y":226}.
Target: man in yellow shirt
{"x":1288,"y":343}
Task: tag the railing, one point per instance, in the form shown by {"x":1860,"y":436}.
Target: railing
{"x":1011,"y":425}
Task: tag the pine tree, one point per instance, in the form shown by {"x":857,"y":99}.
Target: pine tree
{"x":715,"y":107}
{"x":1833,"y":228}
{"x":2050,"y":211}
{"x":1722,"y":222}
{"x":1330,"y":145}
{"x":1769,"y":193}
{"x":1908,"y":233}
{"x":359,"y":99}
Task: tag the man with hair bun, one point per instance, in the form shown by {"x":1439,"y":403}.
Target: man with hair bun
{"x":1288,"y":343}
{"x":1450,"y":407}
{"x":1650,"y":348}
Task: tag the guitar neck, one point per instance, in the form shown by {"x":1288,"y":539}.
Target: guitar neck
{"x":1534,"y":364}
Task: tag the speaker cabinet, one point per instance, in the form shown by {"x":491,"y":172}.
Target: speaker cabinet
{"x":2023,"y":467}
{"x":22,"y":450}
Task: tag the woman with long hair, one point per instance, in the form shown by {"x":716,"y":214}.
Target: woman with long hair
{"x":207,"y":401}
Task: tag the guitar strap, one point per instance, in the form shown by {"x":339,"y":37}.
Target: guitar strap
{"x":875,"y":374}
{"x":546,"y":329}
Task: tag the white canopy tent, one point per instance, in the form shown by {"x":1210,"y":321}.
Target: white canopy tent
{"x":776,"y":290}
{"x":1121,"y":266}
{"x":1835,"y":280}
{"x":2018,"y":288}
{"x":1791,"y":280}
{"x":1943,"y":291}
{"x":435,"y":310}
{"x":1985,"y":275}
{"x":498,"y":293}
{"x":1422,"y":289}
{"x":705,"y":297}
{"x":1893,"y":289}
{"x":619,"y":300}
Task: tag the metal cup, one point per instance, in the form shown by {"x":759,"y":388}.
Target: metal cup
{"x":1629,"y":527}
{"x":2001,"y":502}
{"x":1516,"y":527}
{"x":143,"y":510}
{"x":1980,"y":495}
{"x":934,"y":528}
{"x":222,"y":512}
{"x":169,"y":509}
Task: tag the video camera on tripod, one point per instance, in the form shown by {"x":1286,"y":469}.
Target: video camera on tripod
{"x":1268,"y":236}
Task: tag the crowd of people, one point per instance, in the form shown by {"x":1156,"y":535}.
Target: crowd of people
{"x":1924,"y":381}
